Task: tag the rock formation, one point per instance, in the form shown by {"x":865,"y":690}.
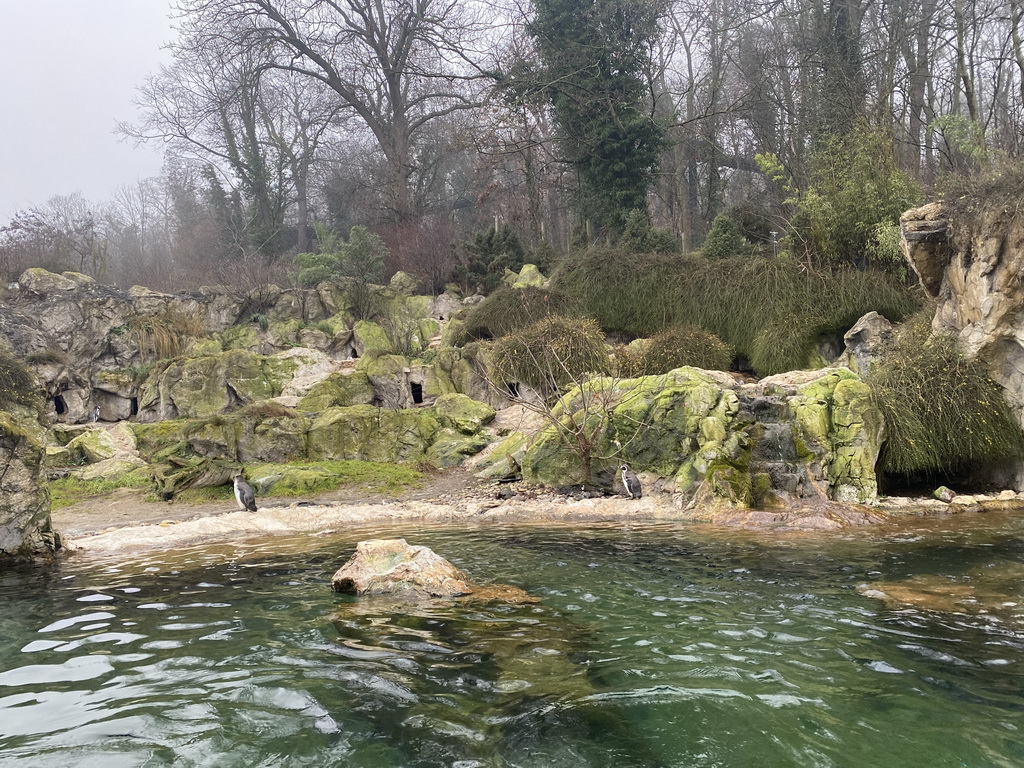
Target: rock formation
{"x":24,"y":503}
{"x":795,"y":438}
{"x":975,"y":277}
{"x":393,"y":568}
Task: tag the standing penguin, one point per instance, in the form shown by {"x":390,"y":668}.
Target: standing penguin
{"x":631,"y":483}
{"x":94,"y":414}
{"x":245,"y":494}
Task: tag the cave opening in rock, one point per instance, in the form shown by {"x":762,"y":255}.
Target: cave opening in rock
{"x":60,"y":405}
{"x":417,"y":392}
{"x":923,"y":484}
{"x":134,"y":407}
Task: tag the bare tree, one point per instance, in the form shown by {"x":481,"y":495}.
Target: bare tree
{"x":396,"y":64}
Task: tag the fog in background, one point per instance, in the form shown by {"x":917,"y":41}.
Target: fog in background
{"x":68,"y":73}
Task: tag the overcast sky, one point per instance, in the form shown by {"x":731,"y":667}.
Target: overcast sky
{"x":68,"y":73}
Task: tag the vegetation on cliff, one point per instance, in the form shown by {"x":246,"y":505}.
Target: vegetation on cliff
{"x":773,"y":312}
{"x":943,"y":412}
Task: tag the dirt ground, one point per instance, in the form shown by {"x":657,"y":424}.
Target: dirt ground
{"x":128,"y":507}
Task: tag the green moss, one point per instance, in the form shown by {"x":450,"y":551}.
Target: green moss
{"x":372,"y":337}
{"x":366,"y":433}
{"x":338,"y":389}
{"x":462,"y":413}
{"x":70,"y":490}
{"x":304,"y":478}
{"x":240,"y":337}
{"x":154,"y":440}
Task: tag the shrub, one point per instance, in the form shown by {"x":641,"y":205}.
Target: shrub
{"x":725,"y":239}
{"x":640,"y":237}
{"x":551,"y":353}
{"x":486,"y":258}
{"x":361,"y":258}
{"x":511,"y":309}
{"x":943,"y":412}
{"x":771,"y":311}
{"x":682,"y":345}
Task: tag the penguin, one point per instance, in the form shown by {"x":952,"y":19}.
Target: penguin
{"x":631,"y":483}
{"x":245,"y":494}
{"x":94,"y":414}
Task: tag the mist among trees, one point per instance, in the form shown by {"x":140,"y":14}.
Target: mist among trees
{"x":785,"y":128}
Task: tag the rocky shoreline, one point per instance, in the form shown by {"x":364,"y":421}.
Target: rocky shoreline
{"x":106,"y":526}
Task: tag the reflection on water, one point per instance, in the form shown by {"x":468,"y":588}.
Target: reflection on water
{"x":652,"y":646}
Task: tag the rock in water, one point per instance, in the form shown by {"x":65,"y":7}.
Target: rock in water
{"x":393,"y":567}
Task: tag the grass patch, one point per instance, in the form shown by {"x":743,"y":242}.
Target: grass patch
{"x":69,"y":490}
{"x":771,"y":311}
{"x":513,"y":309}
{"x":943,"y":413}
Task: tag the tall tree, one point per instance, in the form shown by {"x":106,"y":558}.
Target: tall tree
{"x":595,"y":59}
{"x":396,"y":64}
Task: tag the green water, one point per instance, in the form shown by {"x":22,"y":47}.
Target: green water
{"x":652,"y":646}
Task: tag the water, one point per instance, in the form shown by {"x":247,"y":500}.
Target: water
{"x":652,"y":646}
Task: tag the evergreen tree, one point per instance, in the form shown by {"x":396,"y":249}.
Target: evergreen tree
{"x":594,"y":55}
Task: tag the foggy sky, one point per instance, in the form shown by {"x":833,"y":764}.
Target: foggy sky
{"x":68,"y":73}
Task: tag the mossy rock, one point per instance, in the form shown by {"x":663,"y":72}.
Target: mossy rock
{"x":154,"y":440}
{"x":93,"y":445}
{"x":240,"y":337}
{"x":204,"y":348}
{"x":454,"y":333}
{"x":370,"y":339}
{"x":114,"y":468}
{"x":452,"y":447}
{"x":338,"y":389}
{"x":203,"y":386}
{"x":529,"y":277}
{"x":284,"y":333}
{"x":118,"y":381}
{"x":462,"y":413}
{"x":250,"y":436}
{"x":372,"y":434}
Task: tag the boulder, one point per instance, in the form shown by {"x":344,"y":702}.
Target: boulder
{"x":389,"y":376}
{"x":925,"y":245}
{"x":865,"y":342}
{"x":396,"y":569}
{"x":404,"y":283}
{"x":338,"y":389}
{"x":462,"y":413}
{"x":529,"y":277}
{"x":972,"y":267}
{"x":793,"y":439}
{"x":24,"y":502}
{"x":371,"y":434}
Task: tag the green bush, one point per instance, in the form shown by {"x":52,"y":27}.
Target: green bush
{"x":725,"y":239}
{"x":856,"y":184}
{"x":487,"y":256}
{"x":943,"y":413}
{"x":772,"y":311}
{"x":361,"y":258}
{"x":640,"y":237}
{"x":511,"y":309}
{"x":673,"y":348}
{"x":551,"y":354}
